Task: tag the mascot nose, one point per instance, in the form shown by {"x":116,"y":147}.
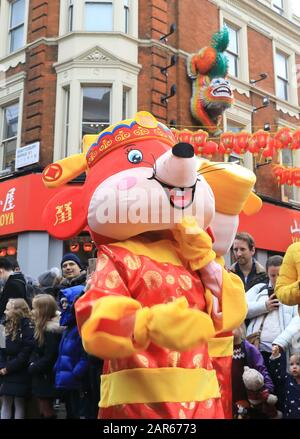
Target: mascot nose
{"x":183,"y":150}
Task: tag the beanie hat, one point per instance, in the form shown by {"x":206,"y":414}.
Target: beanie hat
{"x":47,"y":279}
{"x":71,"y":257}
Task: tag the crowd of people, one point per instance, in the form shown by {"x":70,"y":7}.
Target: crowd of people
{"x":44,"y":366}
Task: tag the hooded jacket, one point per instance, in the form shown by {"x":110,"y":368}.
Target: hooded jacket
{"x":72,"y":363}
{"x":14,"y":288}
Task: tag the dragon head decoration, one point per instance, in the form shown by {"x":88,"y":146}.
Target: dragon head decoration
{"x":212,"y":93}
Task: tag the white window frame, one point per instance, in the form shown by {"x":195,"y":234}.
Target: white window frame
{"x":118,"y":16}
{"x":12,"y":29}
{"x":11,"y":93}
{"x":110,"y":2}
{"x":279,"y":9}
{"x":292,"y":75}
{"x":126,"y":9}
{"x":70,"y":15}
{"x":285,"y":81}
{"x":6,"y":140}
{"x":241,"y":26}
{"x":18,"y":56}
{"x":95,"y":85}
{"x":235,"y":55}
{"x":240,"y":114}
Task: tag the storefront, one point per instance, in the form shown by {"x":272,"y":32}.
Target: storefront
{"x":274,"y":228}
{"x":22,"y":232}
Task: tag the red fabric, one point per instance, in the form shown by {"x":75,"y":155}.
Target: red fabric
{"x":222,"y":366}
{"x":119,"y":272}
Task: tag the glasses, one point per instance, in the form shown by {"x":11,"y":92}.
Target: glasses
{"x":63,"y":301}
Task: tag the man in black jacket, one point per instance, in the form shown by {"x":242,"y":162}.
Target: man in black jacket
{"x":14,"y":287}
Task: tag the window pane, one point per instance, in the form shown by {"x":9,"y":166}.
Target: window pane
{"x":281,"y":65}
{"x":233,"y":40}
{"x":9,"y":153}
{"x":96,"y":109}
{"x":16,"y":38}
{"x":287,"y":157}
{"x":17,"y":13}
{"x":282,"y":92}
{"x":70,"y":18}
{"x":296,"y":7}
{"x":11,"y":115}
{"x":234,"y":127}
{"x":126,"y":16}
{"x":125,"y":104}
{"x":98,"y":17}
{"x":232,"y":64}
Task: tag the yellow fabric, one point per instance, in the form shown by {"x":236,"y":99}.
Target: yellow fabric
{"x":252,"y":205}
{"x":287,"y":285}
{"x":178,"y":327}
{"x":160,"y":251}
{"x":220,"y":346}
{"x":87,"y":141}
{"x":231,"y":185}
{"x":234,"y":305}
{"x":165,"y":384}
{"x":194,"y":243}
{"x":102,"y":344}
{"x":71,"y":167}
{"x":141,"y":335}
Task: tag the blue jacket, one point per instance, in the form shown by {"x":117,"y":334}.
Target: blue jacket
{"x":72,"y":363}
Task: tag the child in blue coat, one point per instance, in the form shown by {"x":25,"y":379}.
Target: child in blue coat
{"x":71,"y":367}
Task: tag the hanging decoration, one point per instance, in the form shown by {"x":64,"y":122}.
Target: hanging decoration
{"x":263,"y":145}
{"x":11,"y":251}
{"x":212,"y":93}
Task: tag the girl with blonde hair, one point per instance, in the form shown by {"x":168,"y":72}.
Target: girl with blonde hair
{"x":47,"y":336}
{"x":14,"y":358}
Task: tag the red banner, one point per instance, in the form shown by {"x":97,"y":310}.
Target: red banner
{"x":22,"y":201}
{"x":273,"y":228}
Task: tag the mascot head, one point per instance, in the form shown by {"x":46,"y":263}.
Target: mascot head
{"x":138,"y":180}
{"x":212,"y":93}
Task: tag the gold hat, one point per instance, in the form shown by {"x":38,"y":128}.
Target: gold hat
{"x":232,"y":186}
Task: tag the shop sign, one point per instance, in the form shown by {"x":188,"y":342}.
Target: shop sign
{"x":273,"y":228}
{"x":27,"y":155}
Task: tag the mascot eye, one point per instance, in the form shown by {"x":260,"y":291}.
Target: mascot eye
{"x":135,"y":156}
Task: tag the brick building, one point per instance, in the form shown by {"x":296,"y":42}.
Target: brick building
{"x":72,"y":67}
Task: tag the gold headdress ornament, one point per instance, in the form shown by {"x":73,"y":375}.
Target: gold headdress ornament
{"x":144,"y":126}
{"x":232,"y":187}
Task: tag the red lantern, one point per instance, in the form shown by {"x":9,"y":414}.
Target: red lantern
{"x":87,"y":246}
{"x":296,"y":140}
{"x":74,"y":247}
{"x":11,"y":251}
{"x":268,"y":152}
{"x":284,"y":137}
{"x":199,"y":140}
{"x":2,"y":252}
{"x":210,"y":148}
{"x":259,"y":141}
{"x":227,"y":140}
{"x":185,"y":136}
{"x":296,"y":177}
{"x":241,"y":143}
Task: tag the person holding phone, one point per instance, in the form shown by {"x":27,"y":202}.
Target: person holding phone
{"x":265,"y":313}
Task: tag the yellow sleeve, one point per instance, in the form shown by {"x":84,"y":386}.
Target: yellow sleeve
{"x":106,"y":334}
{"x":287,"y":285}
{"x":234,"y":305}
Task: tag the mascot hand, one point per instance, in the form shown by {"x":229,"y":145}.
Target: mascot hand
{"x":194,"y":243}
{"x":140,"y":333}
{"x":176,"y":326}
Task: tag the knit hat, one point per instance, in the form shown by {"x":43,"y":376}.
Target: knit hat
{"x":48,"y":278}
{"x":71,"y":257}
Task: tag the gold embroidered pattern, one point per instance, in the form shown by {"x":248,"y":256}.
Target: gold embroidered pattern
{"x":185,"y":282}
{"x":198,"y":361}
{"x":102,"y":261}
{"x":112,"y":280}
{"x":170,"y":279}
{"x":152,"y":279}
{"x":133,"y":262}
{"x":122,"y":136}
{"x":173,"y":359}
{"x":141,"y":131}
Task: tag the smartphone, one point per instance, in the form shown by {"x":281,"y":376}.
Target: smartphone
{"x":92,"y":265}
{"x":271,"y":291}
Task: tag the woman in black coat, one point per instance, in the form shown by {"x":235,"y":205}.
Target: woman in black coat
{"x":14,"y":359}
{"x":47,"y":336}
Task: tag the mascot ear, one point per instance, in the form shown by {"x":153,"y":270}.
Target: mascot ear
{"x":65,"y":216}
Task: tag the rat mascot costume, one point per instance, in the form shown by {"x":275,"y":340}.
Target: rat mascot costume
{"x":158,"y":294}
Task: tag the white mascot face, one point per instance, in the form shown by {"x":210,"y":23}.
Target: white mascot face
{"x":148,"y":192}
